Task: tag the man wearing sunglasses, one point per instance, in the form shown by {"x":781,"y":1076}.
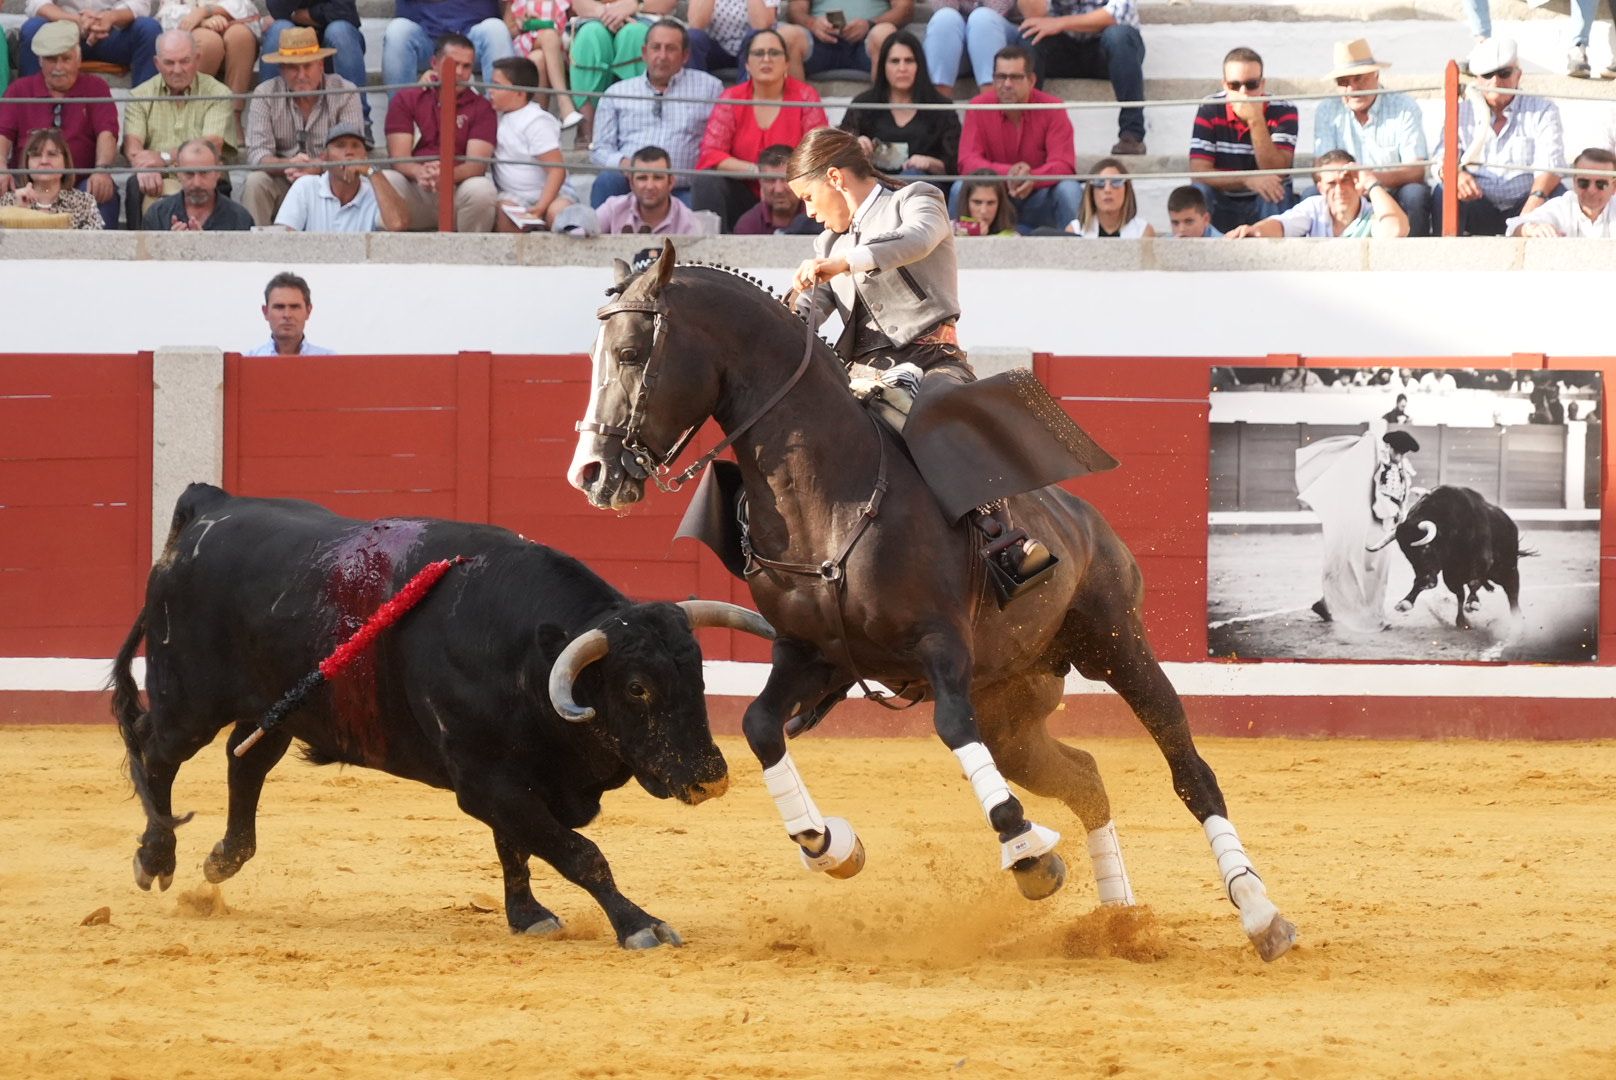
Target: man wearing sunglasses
{"x":1384,"y":131}
{"x":91,"y":131}
{"x":1239,"y":128}
{"x":1510,"y":145}
{"x":1583,"y":211}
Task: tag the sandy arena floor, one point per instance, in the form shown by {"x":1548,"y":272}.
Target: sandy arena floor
{"x":1455,"y":901}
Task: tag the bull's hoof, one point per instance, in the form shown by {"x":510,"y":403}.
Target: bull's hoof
{"x":544,"y":927}
{"x":1275,"y":940}
{"x":219,"y":866}
{"x":1472,"y":606}
{"x":142,"y":878}
{"x":851,"y":865}
{"x":1404,"y":605}
{"x":659,"y":933}
{"x":1041,"y":877}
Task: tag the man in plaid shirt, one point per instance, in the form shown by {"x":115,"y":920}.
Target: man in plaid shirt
{"x":1092,"y":39}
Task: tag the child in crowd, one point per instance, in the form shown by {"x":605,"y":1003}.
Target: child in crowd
{"x":984,"y":209}
{"x":530,"y":176}
{"x":537,"y":25}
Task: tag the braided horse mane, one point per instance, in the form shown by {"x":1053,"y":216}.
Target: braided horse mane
{"x":722,"y":268}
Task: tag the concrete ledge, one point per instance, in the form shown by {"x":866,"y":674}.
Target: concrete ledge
{"x":187,"y":428}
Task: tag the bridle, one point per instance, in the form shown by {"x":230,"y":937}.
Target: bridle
{"x":638,"y":459}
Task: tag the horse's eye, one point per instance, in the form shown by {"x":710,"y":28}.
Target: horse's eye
{"x":625,"y":354}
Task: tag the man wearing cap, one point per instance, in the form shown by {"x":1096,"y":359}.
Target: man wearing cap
{"x":91,"y":130}
{"x":1383,"y":132}
{"x":112,"y":31}
{"x":1584,"y":211}
{"x":287,"y":135}
{"x":1510,"y":146}
{"x":412,"y":131}
{"x":346,"y":196}
{"x":336,"y":26}
{"x":161,"y":116}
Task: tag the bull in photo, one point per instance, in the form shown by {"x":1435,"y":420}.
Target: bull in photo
{"x":523,"y":682}
{"x":1455,"y":533}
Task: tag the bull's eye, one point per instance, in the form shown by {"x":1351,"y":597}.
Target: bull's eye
{"x":639,"y":691}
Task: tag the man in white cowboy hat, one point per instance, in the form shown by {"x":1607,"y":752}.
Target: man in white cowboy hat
{"x":287,"y":135}
{"x":1511,"y":146}
{"x":1383,"y":132}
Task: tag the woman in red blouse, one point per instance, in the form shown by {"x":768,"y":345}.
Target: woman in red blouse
{"x":737,"y":133}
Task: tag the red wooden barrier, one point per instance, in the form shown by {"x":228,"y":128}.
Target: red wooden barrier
{"x":75,"y":501}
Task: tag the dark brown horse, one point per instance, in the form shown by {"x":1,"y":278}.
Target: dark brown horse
{"x":862,"y":575}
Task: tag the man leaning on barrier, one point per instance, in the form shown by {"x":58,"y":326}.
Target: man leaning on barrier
{"x":90,"y":130}
{"x":1384,"y":132}
{"x":111,"y":31}
{"x":286,"y":136}
{"x":1510,"y":146}
{"x":160,"y":117}
{"x":1350,"y":203}
{"x":1232,"y":133}
{"x":198,"y":206}
{"x":1582,"y":212}
{"x":347,"y":195}
{"x":412,"y":131}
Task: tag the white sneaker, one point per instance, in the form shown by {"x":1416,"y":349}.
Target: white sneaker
{"x":574,"y":118}
{"x":1577,"y":63}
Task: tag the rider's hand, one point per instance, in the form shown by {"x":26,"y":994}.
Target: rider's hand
{"x":814,"y":271}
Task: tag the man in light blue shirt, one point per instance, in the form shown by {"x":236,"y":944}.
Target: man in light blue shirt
{"x":1382,"y":131}
{"x":287,"y":307}
{"x":344,"y":197}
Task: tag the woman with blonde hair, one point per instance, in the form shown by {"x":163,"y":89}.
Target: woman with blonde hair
{"x":1109,"y":208}
{"x":47,"y":192}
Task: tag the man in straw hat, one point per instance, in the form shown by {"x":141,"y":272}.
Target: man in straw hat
{"x":1383,"y":132}
{"x":336,"y":25}
{"x":287,"y":135}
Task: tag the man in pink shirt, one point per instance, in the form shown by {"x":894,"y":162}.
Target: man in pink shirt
{"x":1022,"y":145}
{"x":649,"y":207}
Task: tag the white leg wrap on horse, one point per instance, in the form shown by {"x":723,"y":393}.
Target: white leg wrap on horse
{"x":1240,"y":878}
{"x":986,"y":781}
{"x":1035,"y":841}
{"x":1110,"y":875}
{"x":791,"y":798}
{"x":840,"y":848}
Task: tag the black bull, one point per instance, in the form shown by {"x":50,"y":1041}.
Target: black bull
{"x":1456,"y":533}
{"x":250,"y":594}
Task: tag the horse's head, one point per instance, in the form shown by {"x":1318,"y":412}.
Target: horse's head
{"x":644,"y":401}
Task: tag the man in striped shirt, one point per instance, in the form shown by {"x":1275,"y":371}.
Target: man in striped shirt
{"x":1240,"y":128}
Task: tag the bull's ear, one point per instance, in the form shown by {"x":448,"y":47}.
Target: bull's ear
{"x":622,"y":271}
{"x":664,"y":265}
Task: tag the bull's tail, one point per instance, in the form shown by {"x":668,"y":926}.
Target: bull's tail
{"x":1525,"y":553}
{"x":134,"y":723}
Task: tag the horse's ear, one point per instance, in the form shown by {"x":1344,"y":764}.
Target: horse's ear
{"x":664,"y":264}
{"x":623,"y":271}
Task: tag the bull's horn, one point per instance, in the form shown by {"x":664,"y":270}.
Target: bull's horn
{"x":1388,"y":539}
{"x":716,"y":613}
{"x":583,"y":651}
{"x":1428,"y":529}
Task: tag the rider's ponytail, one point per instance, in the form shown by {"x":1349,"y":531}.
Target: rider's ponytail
{"x":826,"y":148}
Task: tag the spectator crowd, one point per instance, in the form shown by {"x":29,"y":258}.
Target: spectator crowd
{"x":646,"y":93}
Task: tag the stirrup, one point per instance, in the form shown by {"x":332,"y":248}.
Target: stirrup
{"x":1008,"y":584}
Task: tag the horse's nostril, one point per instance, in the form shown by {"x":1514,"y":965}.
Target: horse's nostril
{"x":590,"y":473}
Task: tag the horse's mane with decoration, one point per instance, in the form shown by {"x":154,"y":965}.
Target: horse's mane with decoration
{"x":723,"y":268}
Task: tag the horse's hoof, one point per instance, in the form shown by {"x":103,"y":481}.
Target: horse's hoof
{"x":544,"y":927}
{"x":851,"y":865}
{"x":164,"y":881}
{"x":1276,"y":940}
{"x":659,"y":933}
{"x":142,"y":878}
{"x":1042,"y":876}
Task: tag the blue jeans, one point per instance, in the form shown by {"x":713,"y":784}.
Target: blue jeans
{"x":341,"y":36}
{"x":1047,"y":207}
{"x":611,"y":182}
{"x":406,"y":50}
{"x":842,"y":56}
{"x":109,"y":209}
{"x":981,"y":34}
{"x":1415,"y":199}
{"x":1232,"y":212}
{"x":1582,"y":19}
{"x":133,"y":46}
{"x":708,"y":55}
{"x":1118,"y":54}
{"x":1481,"y":20}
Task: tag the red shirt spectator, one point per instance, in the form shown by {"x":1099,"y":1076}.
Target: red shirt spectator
{"x":415,"y":112}
{"x":733,"y":130}
{"x":79,"y":123}
{"x":1042,"y":138}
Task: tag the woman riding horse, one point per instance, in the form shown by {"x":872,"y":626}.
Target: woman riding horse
{"x":886,"y":264}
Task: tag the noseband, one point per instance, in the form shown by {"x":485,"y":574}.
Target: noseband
{"x":638,"y":459}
